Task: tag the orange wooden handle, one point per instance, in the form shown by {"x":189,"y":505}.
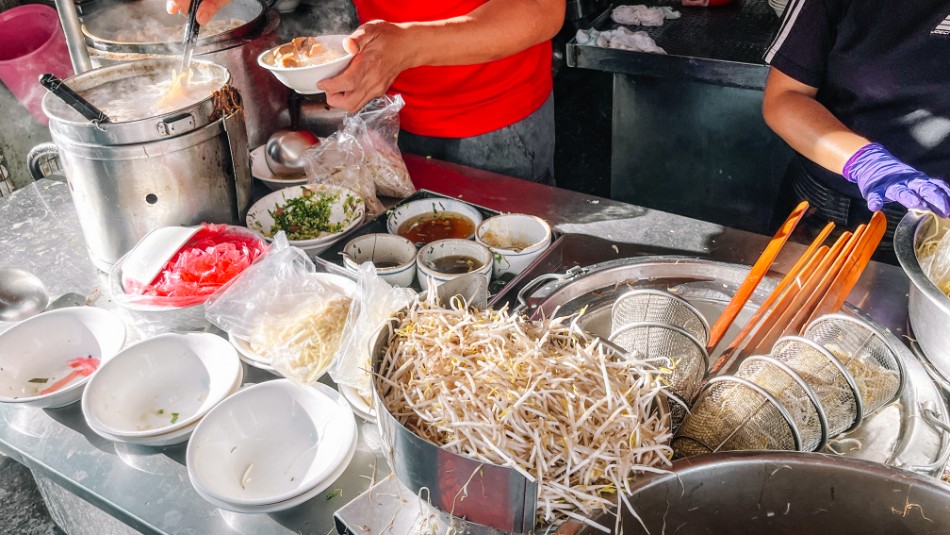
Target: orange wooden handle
{"x":780,"y":288}
{"x":759,"y":269}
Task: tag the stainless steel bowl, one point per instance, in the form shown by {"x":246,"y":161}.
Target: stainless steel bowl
{"x":778,"y":493}
{"x":928,"y":308}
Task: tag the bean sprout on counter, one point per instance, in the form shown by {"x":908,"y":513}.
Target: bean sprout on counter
{"x":541,"y":398}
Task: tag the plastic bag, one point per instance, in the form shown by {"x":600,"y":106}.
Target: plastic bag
{"x":378,"y":301}
{"x":364,"y":156}
{"x":290,"y":316}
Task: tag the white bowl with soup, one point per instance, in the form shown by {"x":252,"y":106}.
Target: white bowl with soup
{"x":444,"y":260}
{"x":393,"y":256}
{"x":515,"y":240}
{"x":428,"y":220}
{"x":305,"y":61}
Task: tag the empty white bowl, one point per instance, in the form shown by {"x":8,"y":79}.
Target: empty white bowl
{"x":34,"y":353}
{"x":270,"y":443}
{"x":304,"y":79}
{"x":161,"y":384}
{"x":393,"y":256}
{"x":515,"y":240}
{"x":430,"y":254}
{"x":407,"y":213}
{"x":348,"y":209}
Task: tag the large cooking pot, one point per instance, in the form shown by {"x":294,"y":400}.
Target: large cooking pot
{"x":927,"y":307}
{"x":184,"y":166}
{"x":781,"y":493}
{"x":239,"y":32}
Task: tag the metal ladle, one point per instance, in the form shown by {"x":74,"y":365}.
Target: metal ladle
{"x":23,"y":294}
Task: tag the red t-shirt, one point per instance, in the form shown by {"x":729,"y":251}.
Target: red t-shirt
{"x":464,"y":100}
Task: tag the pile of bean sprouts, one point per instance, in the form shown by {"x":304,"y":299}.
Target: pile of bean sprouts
{"x":539,"y":397}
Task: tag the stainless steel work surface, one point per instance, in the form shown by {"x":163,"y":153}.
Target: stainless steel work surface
{"x":148,"y":489}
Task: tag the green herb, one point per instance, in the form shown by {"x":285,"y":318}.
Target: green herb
{"x":308,"y":216}
{"x":161,"y":411}
{"x":330,"y":495}
{"x":40,"y":380}
{"x":174,"y":417}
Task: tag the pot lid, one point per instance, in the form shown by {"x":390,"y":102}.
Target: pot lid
{"x":145,"y":27}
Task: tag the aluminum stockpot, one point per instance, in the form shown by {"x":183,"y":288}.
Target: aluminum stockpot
{"x":184,"y":167}
{"x":109,"y":29}
{"x":928,"y":308}
{"x":776,"y":493}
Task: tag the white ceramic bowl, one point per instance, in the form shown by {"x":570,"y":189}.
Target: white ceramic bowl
{"x":396,"y":252}
{"x":348,"y":209}
{"x":304,"y":79}
{"x":515,"y":241}
{"x":161,"y":384}
{"x":260,"y":171}
{"x":269,"y":443}
{"x":40,"y":347}
{"x":406,"y":212}
{"x":436,"y":250}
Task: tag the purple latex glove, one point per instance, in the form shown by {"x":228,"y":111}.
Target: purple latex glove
{"x":881,"y":178}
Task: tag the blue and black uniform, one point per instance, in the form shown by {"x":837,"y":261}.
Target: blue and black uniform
{"x":882,"y":67}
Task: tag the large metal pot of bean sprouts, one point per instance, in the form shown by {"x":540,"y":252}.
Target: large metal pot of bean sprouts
{"x":117,"y":32}
{"x":512,"y":424}
{"x":922,"y":245}
{"x":166,"y":157}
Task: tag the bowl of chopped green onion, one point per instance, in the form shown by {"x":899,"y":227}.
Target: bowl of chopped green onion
{"x":313,"y":216}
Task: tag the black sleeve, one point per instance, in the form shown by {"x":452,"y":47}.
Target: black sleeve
{"x":804,"y":40}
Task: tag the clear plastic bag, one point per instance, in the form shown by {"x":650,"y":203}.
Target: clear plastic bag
{"x":364,"y":156}
{"x":378,"y":301}
{"x":291,"y":317}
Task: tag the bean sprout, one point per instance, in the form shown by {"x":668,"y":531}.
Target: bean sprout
{"x":541,"y":398}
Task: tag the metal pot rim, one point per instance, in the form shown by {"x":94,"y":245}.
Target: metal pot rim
{"x":905,"y":248}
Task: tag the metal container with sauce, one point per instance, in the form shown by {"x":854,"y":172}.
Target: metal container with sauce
{"x":156,"y":163}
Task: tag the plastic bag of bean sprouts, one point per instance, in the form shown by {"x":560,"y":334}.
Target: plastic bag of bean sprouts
{"x":363,"y":155}
{"x":285,"y":314}
{"x":377,"y":302}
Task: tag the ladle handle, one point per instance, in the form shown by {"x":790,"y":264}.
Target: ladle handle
{"x":72,"y":98}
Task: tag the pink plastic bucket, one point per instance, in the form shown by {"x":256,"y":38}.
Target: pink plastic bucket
{"x":31,"y":43}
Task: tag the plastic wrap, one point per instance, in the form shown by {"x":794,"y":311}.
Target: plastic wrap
{"x":286,"y":312}
{"x":377,"y":302}
{"x":364,"y":156}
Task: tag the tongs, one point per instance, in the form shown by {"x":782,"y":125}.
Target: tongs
{"x":191,"y":36}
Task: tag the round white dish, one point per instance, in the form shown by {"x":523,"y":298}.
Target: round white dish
{"x":515,"y":241}
{"x":436,"y":250}
{"x":260,"y":171}
{"x":359,"y":405}
{"x":304,"y":79}
{"x":37,"y":350}
{"x":383,"y":248}
{"x":408,"y":211}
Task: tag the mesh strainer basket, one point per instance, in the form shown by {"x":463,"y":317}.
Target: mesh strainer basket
{"x":876,"y":369}
{"x":794,"y":393}
{"x":839,"y":395}
{"x":735,"y":414}
{"x":655,"y":306}
{"x":669,"y":348}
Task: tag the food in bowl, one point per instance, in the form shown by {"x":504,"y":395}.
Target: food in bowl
{"x":310,"y":215}
{"x":455,"y":264}
{"x":933,"y":253}
{"x":305,"y":52}
{"x":425,"y":228}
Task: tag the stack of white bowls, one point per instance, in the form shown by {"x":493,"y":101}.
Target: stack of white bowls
{"x":154,"y":393}
{"x":271,"y":447}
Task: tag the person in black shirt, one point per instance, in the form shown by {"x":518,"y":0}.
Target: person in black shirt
{"x":861,"y":89}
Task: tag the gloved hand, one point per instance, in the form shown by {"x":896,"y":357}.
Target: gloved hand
{"x":881,"y":178}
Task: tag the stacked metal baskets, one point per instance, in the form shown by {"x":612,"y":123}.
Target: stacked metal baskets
{"x":669,"y":332}
{"x":809,"y":389}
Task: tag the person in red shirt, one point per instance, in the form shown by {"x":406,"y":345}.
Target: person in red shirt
{"x":475,"y":75}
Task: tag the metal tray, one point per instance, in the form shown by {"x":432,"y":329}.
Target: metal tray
{"x":906,"y":434}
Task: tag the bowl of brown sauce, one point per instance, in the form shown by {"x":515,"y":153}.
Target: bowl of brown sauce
{"x":428,"y":220}
{"x":444,"y":260}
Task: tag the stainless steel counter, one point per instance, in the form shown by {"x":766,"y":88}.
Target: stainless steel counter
{"x":102,"y":487}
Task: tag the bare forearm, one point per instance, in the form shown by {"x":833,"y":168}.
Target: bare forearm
{"x":495,"y":30}
{"x":808,"y":126}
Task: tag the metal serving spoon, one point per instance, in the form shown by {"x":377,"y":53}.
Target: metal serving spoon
{"x":23,"y":294}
